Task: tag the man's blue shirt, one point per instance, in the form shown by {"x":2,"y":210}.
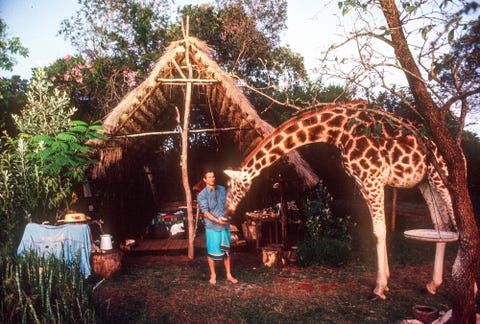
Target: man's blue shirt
{"x":214,"y":202}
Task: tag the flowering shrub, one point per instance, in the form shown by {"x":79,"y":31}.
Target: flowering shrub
{"x":71,"y":72}
{"x":93,"y":86}
{"x":130,"y":78}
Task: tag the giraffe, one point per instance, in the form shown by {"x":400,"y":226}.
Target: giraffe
{"x":388,"y":156}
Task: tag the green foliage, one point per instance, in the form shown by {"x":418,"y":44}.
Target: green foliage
{"x":128,"y":31}
{"x":8,"y":48}
{"x":460,"y":67}
{"x":329,"y":237}
{"x":64,"y":155}
{"x":47,"y":110}
{"x":21,"y":190}
{"x":39,"y":167}
{"x":118,"y":41}
{"x":244,"y":34}
{"x":320,"y":220}
{"x":35,"y":289}
{"x":12,"y":99}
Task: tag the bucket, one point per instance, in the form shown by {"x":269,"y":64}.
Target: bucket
{"x":106,"y":242}
{"x":426,"y":314}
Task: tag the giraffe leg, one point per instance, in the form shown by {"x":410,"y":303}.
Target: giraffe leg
{"x":375,"y":201}
{"x":387,"y":269}
{"x":382,"y":261}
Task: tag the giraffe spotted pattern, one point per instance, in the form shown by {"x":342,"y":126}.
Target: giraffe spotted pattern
{"x":376,"y":152}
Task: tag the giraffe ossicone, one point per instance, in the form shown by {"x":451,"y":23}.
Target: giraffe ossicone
{"x":376,"y":151}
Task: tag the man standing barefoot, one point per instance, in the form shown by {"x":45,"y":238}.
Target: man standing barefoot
{"x":212,"y":200}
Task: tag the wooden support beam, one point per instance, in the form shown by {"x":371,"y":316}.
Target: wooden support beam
{"x":186,"y":81}
{"x":179,"y":69}
{"x":209,"y":130}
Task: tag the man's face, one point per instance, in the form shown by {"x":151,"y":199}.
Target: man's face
{"x":209,"y":179}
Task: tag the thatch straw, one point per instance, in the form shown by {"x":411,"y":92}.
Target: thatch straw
{"x":236,"y":111}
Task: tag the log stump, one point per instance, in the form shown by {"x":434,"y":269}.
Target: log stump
{"x":272,"y":256}
{"x":107,"y":264}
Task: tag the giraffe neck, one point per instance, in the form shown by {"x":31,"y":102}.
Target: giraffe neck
{"x":323,"y":125}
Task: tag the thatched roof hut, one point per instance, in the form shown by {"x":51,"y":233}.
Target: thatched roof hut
{"x":156,"y":105}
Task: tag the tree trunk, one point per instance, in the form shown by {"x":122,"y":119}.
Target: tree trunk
{"x":467,"y":260}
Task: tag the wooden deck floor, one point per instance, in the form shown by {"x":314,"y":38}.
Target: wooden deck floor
{"x":158,"y":245}
{"x":173,"y":245}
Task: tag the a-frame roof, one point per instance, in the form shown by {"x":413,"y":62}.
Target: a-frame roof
{"x":157,"y":104}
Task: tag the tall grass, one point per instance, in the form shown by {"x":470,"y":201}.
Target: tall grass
{"x":43,"y":290}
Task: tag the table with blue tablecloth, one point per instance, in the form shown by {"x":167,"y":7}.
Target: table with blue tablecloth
{"x":68,"y":241}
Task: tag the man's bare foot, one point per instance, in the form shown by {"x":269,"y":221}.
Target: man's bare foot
{"x":212,"y":281}
{"x":232,"y":280}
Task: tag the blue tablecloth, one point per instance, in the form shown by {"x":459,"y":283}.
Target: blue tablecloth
{"x":47,"y":239}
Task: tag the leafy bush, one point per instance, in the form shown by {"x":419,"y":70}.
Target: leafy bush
{"x":43,"y":290}
{"x":329,"y":237}
{"x":39,"y":167}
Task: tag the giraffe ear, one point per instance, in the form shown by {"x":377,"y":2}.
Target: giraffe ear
{"x":233,"y":174}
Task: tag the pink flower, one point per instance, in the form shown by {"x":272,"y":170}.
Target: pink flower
{"x":67,"y":57}
{"x":129,"y":77}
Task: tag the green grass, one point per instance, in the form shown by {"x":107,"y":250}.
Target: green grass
{"x":170,"y":289}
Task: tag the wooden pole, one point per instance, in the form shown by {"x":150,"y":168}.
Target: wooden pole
{"x":394,"y":210}
{"x":283,"y":212}
{"x":184,"y":152}
{"x":189,"y":80}
{"x":205,"y":130}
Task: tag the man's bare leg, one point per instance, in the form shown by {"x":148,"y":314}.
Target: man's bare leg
{"x":213,"y":275}
{"x":226,"y":262}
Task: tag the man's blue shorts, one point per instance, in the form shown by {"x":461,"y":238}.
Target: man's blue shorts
{"x":218,"y":243}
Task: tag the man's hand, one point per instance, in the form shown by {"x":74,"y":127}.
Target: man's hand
{"x":223,"y":220}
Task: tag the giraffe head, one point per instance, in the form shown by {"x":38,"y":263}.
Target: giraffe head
{"x":238,"y":185}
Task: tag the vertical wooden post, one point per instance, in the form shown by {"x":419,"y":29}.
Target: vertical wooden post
{"x":394,"y":210}
{"x":184,"y":152}
{"x":283,"y":212}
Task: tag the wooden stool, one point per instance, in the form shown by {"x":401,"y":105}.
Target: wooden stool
{"x":107,"y":263}
{"x":272,"y":256}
